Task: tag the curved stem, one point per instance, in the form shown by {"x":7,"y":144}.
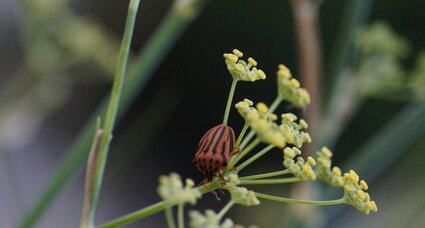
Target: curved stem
{"x":229,"y":101}
{"x":243,"y":153}
{"x":251,"y":133}
{"x":240,"y":137}
{"x":288,"y":200}
{"x":152,"y":209}
{"x":275,"y":104}
{"x":225,"y":209}
{"x":139,"y":214}
{"x":264,"y":175}
{"x":255,"y":157}
{"x":169,"y":218}
{"x":180,"y":216}
{"x":97,"y":171}
{"x":271,"y":181}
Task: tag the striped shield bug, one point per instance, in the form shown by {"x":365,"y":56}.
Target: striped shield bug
{"x":214,"y":151}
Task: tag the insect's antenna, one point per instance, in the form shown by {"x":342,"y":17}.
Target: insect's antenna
{"x":198,"y":185}
{"x":216,"y":195}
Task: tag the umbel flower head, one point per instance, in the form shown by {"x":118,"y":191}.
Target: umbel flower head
{"x":289,"y":89}
{"x":354,"y":189}
{"x":267,"y":130}
{"x":172,"y":191}
{"x":241,"y":70}
{"x":240,"y":195}
{"x":300,"y":168}
{"x":208,"y":220}
{"x":380,"y":70}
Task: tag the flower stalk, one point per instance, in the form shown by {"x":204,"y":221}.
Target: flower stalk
{"x":180,"y":215}
{"x":169,"y":218}
{"x":289,"y":200}
{"x":265,"y":175}
{"x":229,"y":101}
{"x":271,"y":181}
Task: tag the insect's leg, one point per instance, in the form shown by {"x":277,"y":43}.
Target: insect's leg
{"x":223,"y":181}
{"x":235,"y":152}
{"x":197,"y":166}
{"x":204,"y":183}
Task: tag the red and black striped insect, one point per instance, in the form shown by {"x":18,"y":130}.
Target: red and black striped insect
{"x":214,"y":151}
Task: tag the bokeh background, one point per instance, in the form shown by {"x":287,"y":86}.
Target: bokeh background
{"x":57,"y":59}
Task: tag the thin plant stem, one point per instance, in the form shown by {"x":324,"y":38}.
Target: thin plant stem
{"x":275,"y":104}
{"x":169,"y":217}
{"x":243,"y":153}
{"x":265,"y":175}
{"x":146,"y":63}
{"x":229,"y":101}
{"x":180,"y":216}
{"x":112,"y":107}
{"x":137,"y":215}
{"x":271,"y":181}
{"x":251,"y":133}
{"x":150,"y":210}
{"x":241,"y":135}
{"x":255,"y":157}
{"x":289,"y":200}
{"x":225,"y":209}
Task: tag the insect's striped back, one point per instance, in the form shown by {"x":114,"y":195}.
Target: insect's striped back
{"x":214,"y":150}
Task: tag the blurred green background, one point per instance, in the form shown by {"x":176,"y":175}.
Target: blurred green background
{"x":56,"y":64}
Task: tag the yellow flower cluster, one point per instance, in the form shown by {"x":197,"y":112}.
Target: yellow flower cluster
{"x":240,"y":195}
{"x":208,"y":220}
{"x":289,"y":88}
{"x":172,"y":191}
{"x":241,"y":70}
{"x":354,"y":189}
{"x":292,"y":130}
{"x":268,"y":131}
{"x":301,"y":168}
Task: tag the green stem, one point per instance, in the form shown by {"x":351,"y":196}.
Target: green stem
{"x":169,"y":217}
{"x":152,"y":209}
{"x":288,"y":200}
{"x":225,"y":209}
{"x":113,"y":106}
{"x":246,"y":140}
{"x":265,"y":175}
{"x":180,"y":215}
{"x":275,"y":104}
{"x":229,"y":101}
{"x":251,"y":133}
{"x":255,"y":157}
{"x":271,"y":181}
{"x":146,"y":63}
{"x":134,"y":216}
{"x":243,"y":153}
{"x":240,"y":137}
